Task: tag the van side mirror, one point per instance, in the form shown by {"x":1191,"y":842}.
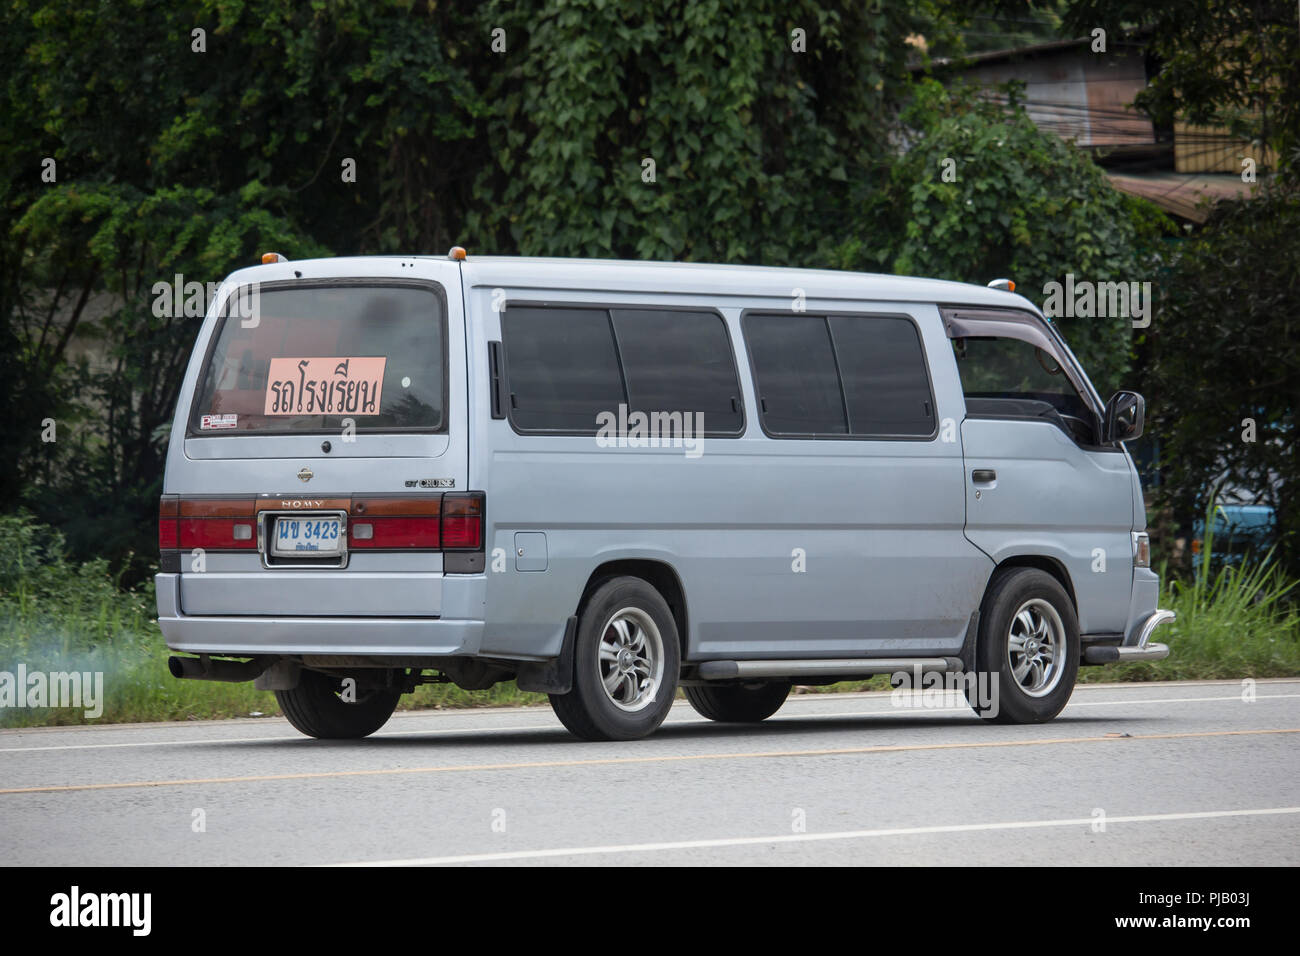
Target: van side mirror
{"x":1125,"y":415}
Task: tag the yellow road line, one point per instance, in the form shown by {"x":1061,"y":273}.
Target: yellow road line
{"x":612,"y":761}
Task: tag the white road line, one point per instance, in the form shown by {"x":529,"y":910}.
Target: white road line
{"x":253,"y":740}
{"x":916,"y":708}
{"x":814,"y":837}
{"x":551,"y":725}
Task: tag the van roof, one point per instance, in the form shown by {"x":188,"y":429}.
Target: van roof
{"x":696,"y":278}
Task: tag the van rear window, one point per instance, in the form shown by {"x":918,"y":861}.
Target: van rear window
{"x":309,"y":358}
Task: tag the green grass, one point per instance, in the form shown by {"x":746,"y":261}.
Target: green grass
{"x":57,"y":616}
{"x":1234,"y":621}
{"x":1215,"y":639}
{"x":138,"y":687}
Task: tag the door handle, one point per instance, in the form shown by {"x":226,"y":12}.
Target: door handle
{"x":983,"y":475}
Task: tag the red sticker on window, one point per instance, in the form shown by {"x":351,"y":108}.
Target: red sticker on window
{"x":325,"y":386}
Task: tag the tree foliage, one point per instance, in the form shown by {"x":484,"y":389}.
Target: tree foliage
{"x":760,"y":119}
{"x":112,"y":238}
{"x":982,"y":193}
{"x":189,"y":138}
{"x":1225,"y":348}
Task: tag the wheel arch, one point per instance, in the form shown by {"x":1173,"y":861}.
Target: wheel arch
{"x":1043,"y":563}
{"x":660,"y":575}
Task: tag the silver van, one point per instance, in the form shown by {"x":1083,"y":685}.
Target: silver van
{"x":606,"y":480}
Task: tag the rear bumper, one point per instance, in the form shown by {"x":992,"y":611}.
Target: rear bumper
{"x":1142,"y":649}
{"x":1144,"y":617}
{"x":259,"y":635}
{"x":370,"y":636}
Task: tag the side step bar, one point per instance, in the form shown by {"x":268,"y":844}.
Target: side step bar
{"x":850,"y":667}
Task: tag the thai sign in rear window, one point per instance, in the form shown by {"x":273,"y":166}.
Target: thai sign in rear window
{"x":309,"y":359}
{"x":350,"y":387}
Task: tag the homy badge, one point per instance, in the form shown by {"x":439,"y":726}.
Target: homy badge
{"x":325,"y":386}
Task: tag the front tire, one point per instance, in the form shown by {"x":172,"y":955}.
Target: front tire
{"x":626,"y":660}
{"x":1028,"y":652}
{"x":317,"y":706}
{"x":739,"y":703}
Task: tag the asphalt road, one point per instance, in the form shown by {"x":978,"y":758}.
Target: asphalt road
{"x":1146,"y":774}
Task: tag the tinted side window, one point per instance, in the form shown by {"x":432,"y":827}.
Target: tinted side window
{"x":562,"y":367}
{"x":794,"y":374}
{"x":679,"y":362}
{"x":886,"y":385}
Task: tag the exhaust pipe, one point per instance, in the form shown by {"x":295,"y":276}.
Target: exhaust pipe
{"x":205,"y":668}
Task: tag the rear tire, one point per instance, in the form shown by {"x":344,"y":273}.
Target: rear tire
{"x":316,"y":708}
{"x":626,"y":660}
{"x":1027,"y":657}
{"x":738,"y":703}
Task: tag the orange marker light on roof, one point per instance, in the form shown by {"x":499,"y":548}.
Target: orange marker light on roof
{"x":1006,"y":285}
{"x":269,"y":257}
{"x":457,"y":253}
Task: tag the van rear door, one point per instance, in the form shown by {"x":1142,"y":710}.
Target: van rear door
{"x":311,"y":398}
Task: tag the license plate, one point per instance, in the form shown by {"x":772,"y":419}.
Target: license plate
{"x":307,"y":535}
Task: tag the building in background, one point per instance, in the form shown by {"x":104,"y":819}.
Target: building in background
{"x":1087,"y":97}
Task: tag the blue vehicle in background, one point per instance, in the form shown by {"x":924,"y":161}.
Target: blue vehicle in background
{"x":1240,"y":527}
{"x":1244,"y":524}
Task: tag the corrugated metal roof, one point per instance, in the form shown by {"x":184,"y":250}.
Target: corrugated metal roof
{"x":1186,"y":196}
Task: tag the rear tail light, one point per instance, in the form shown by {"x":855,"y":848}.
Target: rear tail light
{"x":168,"y":510}
{"x":395,"y":533}
{"x":462,"y":522}
{"x":449,"y":522}
{"x":218,"y":524}
{"x":410,"y":523}
{"x":218,"y":534}
{"x":428,"y":522}
{"x":207,"y":524}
